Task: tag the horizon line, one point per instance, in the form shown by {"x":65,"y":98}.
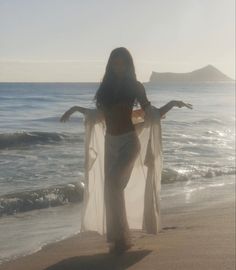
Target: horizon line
{"x":233,"y":80}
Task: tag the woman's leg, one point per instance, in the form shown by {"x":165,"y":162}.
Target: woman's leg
{"x":116,"y":219}
{"x":117,"y":172}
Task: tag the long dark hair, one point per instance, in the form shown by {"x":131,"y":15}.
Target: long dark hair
{"x":103,"y":94}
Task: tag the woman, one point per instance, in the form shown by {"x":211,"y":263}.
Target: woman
{"x":115,"y":98}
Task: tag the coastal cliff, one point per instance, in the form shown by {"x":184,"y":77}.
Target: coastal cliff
{"x":206,"y":74}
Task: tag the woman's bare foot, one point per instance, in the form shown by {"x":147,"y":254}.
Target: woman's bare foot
{"x":111,"y":248}
{"x":119,"y":247}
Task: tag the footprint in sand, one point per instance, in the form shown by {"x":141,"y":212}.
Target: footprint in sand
{"x":169,"y":228}
{"x":176,"y":227}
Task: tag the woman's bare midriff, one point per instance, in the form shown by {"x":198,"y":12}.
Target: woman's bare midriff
{"x":118,"y":119}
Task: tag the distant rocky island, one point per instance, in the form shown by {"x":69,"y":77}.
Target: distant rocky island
{"x":206,"y":74}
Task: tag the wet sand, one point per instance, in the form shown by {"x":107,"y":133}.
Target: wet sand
{"x":196,"y":236}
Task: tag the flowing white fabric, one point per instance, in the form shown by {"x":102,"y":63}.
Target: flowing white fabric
{"x":142,"y":193}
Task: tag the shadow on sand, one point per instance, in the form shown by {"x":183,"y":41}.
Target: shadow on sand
{"x":102,"y":261}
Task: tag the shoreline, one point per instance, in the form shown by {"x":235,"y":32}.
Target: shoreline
{"x":193,"y":236}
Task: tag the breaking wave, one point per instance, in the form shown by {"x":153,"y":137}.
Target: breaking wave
{"x":18,"y":139}
{"x":41,"y":198}
{"x":171,"y":175}
{"x":73,"y":193}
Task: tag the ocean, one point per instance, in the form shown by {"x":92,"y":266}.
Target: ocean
{"x":42,"y":159}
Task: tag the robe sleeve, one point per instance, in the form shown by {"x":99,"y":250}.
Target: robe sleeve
{"x":93,"y":115}
{"x":152,"y":115}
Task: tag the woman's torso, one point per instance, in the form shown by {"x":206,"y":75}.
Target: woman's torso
{"x":119,"y":119}
{"x":118,"y":116}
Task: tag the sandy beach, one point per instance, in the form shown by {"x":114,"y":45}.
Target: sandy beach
{"x":198,"y":235}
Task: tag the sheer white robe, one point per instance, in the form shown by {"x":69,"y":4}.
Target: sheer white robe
{"x":142,"y":193}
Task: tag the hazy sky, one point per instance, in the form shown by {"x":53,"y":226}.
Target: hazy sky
{"x":71,"y":40}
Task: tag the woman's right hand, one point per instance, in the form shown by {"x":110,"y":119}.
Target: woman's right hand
{"x":65,"y":117}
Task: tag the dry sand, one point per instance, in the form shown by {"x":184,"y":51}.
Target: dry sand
{"x":199,"y":238}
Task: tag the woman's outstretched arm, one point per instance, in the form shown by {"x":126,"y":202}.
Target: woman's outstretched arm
{"x":173,"y":103}
{"x":97,"y":113}
{"x":145,"y":103}
{"x":65,"y":117}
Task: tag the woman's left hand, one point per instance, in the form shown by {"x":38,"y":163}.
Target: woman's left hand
{"x":180,"y":104}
